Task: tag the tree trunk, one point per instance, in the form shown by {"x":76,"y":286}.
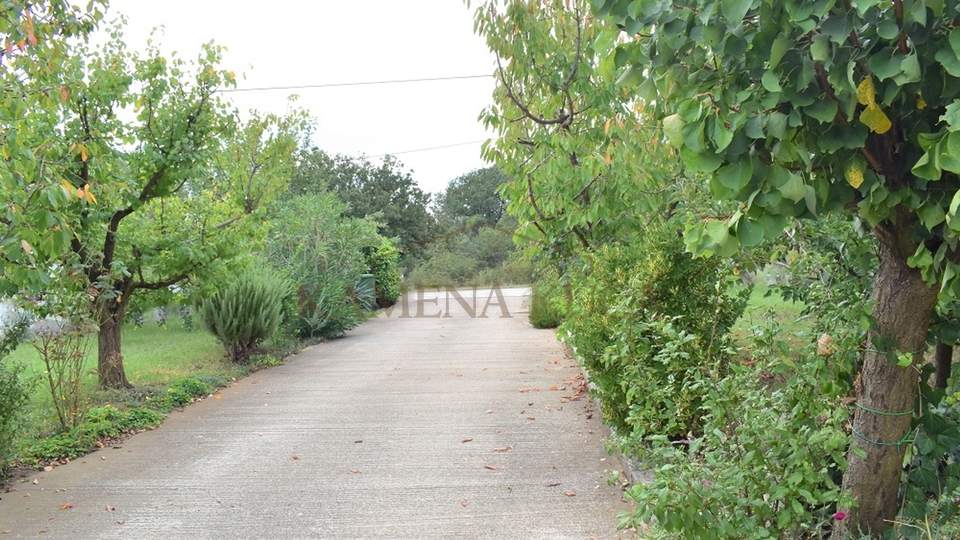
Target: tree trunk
{"x":109,"y":359}
{"x":942,"y":360}
{"x":903,"y":308}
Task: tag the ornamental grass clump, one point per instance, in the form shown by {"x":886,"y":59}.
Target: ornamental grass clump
{"x":246,"y":312}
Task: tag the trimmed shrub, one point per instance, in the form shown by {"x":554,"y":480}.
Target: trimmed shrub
{"x":246,"y":312}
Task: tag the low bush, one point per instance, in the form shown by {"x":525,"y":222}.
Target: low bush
{"x":543,"y":311}
{"x":649,"y":322}
{"x":14,"y":392}
{"x":767,"y":465}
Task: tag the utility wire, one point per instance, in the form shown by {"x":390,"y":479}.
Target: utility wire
{"x":427,"y":149}
{"x":356,"y":83}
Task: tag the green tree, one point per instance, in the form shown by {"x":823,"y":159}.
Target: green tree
{"x":157,"y":176}
{"x":802,"y":109}
{"x":35,"y":41}
{"x":470,"y":197}
{"x":384,"y":192}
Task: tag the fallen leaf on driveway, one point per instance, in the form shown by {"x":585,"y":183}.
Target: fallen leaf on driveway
{"x":488,"y":411}
{"x":463,"y":502}
{"x":569,"y":494}
{"x":502,"y":449}
{"x":66,"y":506}
{"x":531,"y":418}
{"x":294,"y":458}
{"x":8,"y":531}
{"x":110,"y":508}
{"x":555,"y":484}
{"x":554,"y":388}
{"x":491,"y":467}
{"x":355,"y":471}
{"x":468,"y":439}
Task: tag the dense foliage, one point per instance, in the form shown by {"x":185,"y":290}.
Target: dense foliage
{"x":650,"y":323}
{"x":321,"y":250}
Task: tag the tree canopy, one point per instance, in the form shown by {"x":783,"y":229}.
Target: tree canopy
{"x":385,"y":192}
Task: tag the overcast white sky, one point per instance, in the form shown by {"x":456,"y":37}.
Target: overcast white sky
{"x":301,"y":42}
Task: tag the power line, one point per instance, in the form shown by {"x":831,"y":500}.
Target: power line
{"x":428,"y":149}
{"x":355,"y":83}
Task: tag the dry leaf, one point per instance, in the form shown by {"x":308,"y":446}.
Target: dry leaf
{"x":531,"y":418}
{"x":294,"y":458}
{"x":569,"y":494}
{"x":491,"y":467}
{"x":355,"y":471}
{"x":502,"y":449}
{"x":468,"y":439}
{"x":110,"y":508}
{"x":825,"y":345}
{"x":66,"y":506}
{"x":217,"y":396}
{"x":463,"y":502}
{"x":554,"y":388}
{"x":8,"y":531}
{"x":555,"y":484}
{"x":488,"y":411}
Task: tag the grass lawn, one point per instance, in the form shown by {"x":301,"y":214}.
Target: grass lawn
{"x":766,"y":306}
{"x":153,"y":357}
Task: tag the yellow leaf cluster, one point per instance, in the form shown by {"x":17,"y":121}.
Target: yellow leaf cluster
{"x":854,"y":173}
{"x":872,"y":116}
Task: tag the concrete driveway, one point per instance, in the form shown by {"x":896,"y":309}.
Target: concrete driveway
{"x":442,"y":425}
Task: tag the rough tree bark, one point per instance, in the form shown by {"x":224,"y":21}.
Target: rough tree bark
{"x":903,"y":309}
{"x":110,"y":360}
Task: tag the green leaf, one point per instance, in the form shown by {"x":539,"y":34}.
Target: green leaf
{"x":736,"y":176}
{"x":632,"y":77}
{"x":931,"y":215}
{"x":721,"y":136}
{"x":820,"y":48}
{"x":749,"y":232}
{"x":779,"y":48}
{"x":777,"y":125}
{"x":921,"y":258}
{"x":673,"y":129}
{"x":824,"y":110}
{"x":735,"y":11}
{"x":949,"y":59}
{"x":910,"y":66}
{"x":794,"y":189}
{"x":952,"y":115}
{"x":700,"y":162}
{"x":771,"y":82}
{"x":888,"y":29}
{"x":885,"y":64}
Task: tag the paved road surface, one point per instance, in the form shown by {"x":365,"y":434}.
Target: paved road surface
{"x":408,"y":428}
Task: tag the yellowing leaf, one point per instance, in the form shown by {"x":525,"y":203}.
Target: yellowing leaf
{"x":921,"y":103}
{"x":90,"y":198}
{"x":866,"y":93}
{"x":854,"y":173}
{"x":26,"y":246}
{"x":875,"y":119}
{"x":606,"y":127}
{"x":231,"y":75}
{"x":83,"y":153}
{"x":63,"y":93}
{"x":80,"y":193}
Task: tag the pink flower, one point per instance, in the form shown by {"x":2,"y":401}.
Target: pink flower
{"x":840,"y":516}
